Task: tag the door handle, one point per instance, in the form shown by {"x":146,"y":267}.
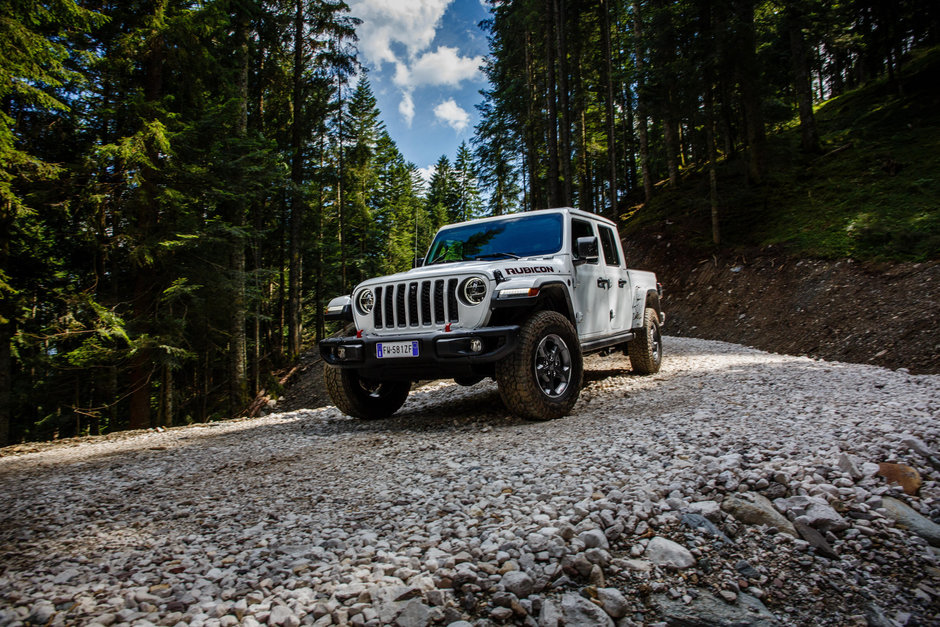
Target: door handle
{"x":604,"y":283}
{"x":621,"y":282}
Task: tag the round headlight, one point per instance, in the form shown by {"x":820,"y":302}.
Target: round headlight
{"x":474,"y":291}
{"x":365,"y":301}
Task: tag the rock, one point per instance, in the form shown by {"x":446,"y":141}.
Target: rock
{"x":550,"y":615}
{"x":816,"y":540}
{"x":42,"y":612}
{"x":918,"y":446}
{"x":282,"y":616}
{"x":106,"y":619}
{"x":594,"y":538}
{"x":613,"y":602}
{"x":519,"y":583}
{"x":848,"y":465}
{"x":66,"y":576}
{"x":744,"y":567}
{"x":814,"y":512}
{"x":756,"y":509}
{"x":708,"y":509}
{"x":640,"y":566}
{"x":579,"y":612}
{"x":702,"y":524}
{"x":906,"y":517}
{"x":667,"y":553}
{"x":501,"y":614}
{"x":901,"y":474}
{"x":415,"y":614}
{"x":709,"y":611}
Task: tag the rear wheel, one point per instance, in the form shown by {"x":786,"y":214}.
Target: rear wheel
{"x":646,"y":349}
{"x":363,"y":398}
{"x":541,"y":380}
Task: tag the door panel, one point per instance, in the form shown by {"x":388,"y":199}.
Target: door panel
{"x":588,"y":289}
{"x":619,"y":288}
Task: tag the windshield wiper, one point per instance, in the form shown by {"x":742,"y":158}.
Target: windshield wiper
{"x":497,"y":255}
{"x":439,"y":259}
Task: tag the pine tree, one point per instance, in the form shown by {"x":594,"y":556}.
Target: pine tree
{"x":468,"y":203}
{"x":33,"y":38}
{"x":442,"y":199}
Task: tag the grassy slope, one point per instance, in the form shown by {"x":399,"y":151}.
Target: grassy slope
{"x":878,"y":199}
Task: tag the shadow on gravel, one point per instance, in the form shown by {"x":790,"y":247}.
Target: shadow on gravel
{"x":593,"y":376}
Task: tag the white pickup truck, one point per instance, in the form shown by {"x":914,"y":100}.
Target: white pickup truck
{"x":519,"y":298}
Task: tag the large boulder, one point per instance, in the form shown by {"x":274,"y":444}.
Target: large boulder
{"x":755,"y":509}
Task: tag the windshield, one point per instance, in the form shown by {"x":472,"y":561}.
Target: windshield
{"x":511,"y":238}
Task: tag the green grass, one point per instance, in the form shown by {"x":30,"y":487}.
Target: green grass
{"x":877,"y":199}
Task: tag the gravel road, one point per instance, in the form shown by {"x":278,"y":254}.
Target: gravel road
{"x":735,"y":485}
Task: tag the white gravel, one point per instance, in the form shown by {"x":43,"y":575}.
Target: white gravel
{"x":454,"y":510}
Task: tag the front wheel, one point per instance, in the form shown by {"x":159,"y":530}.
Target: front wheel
{"x":541,"y":379}
{"x":646,"y":349}
{"x":363,"y":398}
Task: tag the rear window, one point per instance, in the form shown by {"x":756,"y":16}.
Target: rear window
{"x":609,"y":246}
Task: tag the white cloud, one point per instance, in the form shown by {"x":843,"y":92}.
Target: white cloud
{"x":427,"y":173}
{"x":444,"y":66}
{"x":411,"y":23}
{"x":407,"y":108}
{"x":451,"y":113}
{"x":401,"y":32}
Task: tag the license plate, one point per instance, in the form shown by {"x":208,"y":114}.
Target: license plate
{"x":396,"y":349}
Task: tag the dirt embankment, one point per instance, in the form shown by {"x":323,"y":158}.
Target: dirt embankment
{"x":883,"y":314}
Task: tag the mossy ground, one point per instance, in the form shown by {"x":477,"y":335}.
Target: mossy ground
{"x":873,"y":193}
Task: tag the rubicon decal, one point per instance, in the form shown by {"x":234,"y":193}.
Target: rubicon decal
{"x":530,"y":270}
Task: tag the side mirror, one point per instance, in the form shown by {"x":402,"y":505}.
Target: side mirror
{"x":418,"y":262}
{"x":587,"y":250}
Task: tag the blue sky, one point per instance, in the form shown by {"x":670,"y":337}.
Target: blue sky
{"x":423,"y":59}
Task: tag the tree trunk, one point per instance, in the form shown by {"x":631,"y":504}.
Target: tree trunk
{"x":166,"y":397}
{"x":6,"y":372}
{"x":582,"y":167}
{"x":238,"y":357}
{"x":551,"y":121}
{"x":749,"y":80}
{"x":535,"y":198}
{"x":142,"y":362}
{"x":642,"y":129}
{"x":340,"y":179}
{"x":802,"y":83}
{"x":564,"y":135}
{"x":608,"y":79}
{"x":629,"y":139}
{"x":671,"y":140}
{"x":712,"y":164}
{"x":320,"y":323}
{"x":294,"y":329}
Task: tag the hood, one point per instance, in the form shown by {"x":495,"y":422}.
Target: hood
{"x":485,"y":267}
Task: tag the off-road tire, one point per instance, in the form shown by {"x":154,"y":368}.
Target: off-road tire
{"x":548,"y":355}
{"x":646,"y":349}
{"x":361,"y":398}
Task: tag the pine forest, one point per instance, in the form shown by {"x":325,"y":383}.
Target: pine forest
{"x":185,"y":184}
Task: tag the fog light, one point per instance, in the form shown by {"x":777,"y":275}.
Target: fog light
{"x":476,"y":345}
{"x":341,"y":352}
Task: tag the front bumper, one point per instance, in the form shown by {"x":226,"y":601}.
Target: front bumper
{"x":440,"y":355}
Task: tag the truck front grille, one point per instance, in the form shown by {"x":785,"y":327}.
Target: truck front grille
{"x":414,"y":304}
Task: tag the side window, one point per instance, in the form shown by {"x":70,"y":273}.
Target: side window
{"x":609,"y":244}
{"x":579,"y":228}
